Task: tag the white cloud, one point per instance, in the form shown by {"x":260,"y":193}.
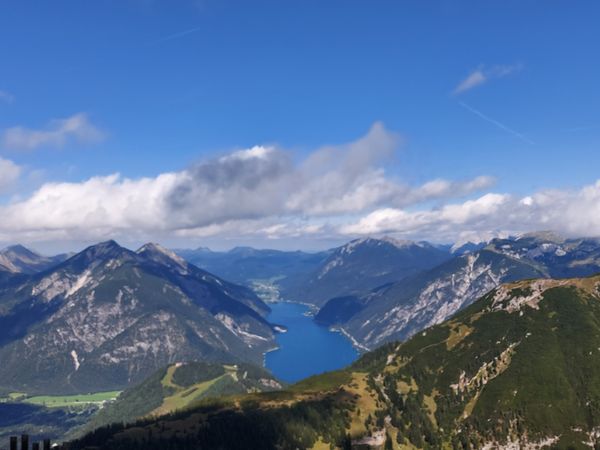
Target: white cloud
{"x":97,"y":206}
{"x":58,"y":133}
{"x":6,"y":97}
{"x":473,"y":79}
{"x":9,"y":174}
{"x":261,"y":190}
{"x":264,"y":192}
{"x":335,"y":193}
{"x":482,"y":75}
{"x":573,"y":213}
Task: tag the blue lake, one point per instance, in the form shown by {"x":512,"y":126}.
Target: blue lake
{"x":307,"y":348}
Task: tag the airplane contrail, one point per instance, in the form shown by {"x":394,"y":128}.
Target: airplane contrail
{"x":495,"y":122}
{"x":177,"y":35}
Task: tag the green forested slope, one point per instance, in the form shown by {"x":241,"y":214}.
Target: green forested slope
{"x":179,"y":385}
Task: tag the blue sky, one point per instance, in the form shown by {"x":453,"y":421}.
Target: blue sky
{"x":155,"y":86}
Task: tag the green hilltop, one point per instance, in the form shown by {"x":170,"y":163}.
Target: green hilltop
{"x":182,"y":384}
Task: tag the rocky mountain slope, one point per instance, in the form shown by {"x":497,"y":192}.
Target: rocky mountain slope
{"x":519,"y":368}
{"x":364,"y":264}
{"x":398,"y":310}
{"x":108,"y":317}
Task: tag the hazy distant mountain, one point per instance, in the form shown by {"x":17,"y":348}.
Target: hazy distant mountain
{"x":108,"y":317}
{"x":243,"y":264}
{"x":276,"y":271}
{"x":518,"y":369}
{"x":364,"y":264}
{"x":19,"y":259}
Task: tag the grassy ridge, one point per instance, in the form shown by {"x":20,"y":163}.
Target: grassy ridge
{"x":180,"y":386}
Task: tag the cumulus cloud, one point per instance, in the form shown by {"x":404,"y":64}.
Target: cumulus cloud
{"x":95,"y":207}
{"x":483,"y":74}
{"x":58,"y":133}
{"x":573,"y":213}
{"x":9,"y":174}
{"x":334,"y":192}
{"x":261,"y":190}
{"x":332,"y":180}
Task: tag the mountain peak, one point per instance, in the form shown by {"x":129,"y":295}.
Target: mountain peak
{"x":400,"y":243}
{"x":160,"y":254}
{"x":103,"y":251}
{"x":19,"y":259}
{"x":19,"y":249}
{"x":242,"y":251}
{"x":374,"y":241}
{"x":105,"y":247}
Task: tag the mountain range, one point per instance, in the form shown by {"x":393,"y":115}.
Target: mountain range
{"x":108,"y":317}
{"x":364,"y":264}
{"x":112,"y":319}
{"x":272,"y":273}
{"x":398,"y":310}
{"x":519,"y":368}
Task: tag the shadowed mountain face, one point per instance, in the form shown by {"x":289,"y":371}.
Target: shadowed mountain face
{"x":519,"y":368}
{"x":364,"y":264}
{"x":108,"y":317}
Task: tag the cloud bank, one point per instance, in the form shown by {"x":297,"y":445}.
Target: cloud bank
{"x":335,"y":192}
{"x":573,"y":213}
{"x":260,"y":190}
